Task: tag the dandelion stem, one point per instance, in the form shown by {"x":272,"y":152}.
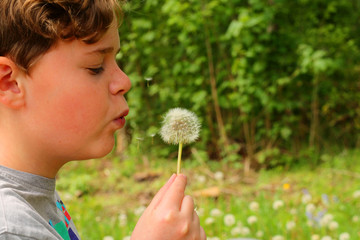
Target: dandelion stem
{"x":179,"y":158}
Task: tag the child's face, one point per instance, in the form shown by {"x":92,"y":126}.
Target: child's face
{"x":75,"y":98}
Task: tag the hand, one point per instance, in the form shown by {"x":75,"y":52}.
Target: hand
{"x":170,"y":215}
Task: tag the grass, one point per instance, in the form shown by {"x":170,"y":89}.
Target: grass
{"x":106,"y":197}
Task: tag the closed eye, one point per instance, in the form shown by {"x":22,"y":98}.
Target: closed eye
{"x":96,"y":71}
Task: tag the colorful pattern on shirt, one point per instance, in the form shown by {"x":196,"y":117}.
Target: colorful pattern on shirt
{"x":62,"y":228}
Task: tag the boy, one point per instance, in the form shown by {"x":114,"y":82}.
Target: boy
{"x":61,"y":99}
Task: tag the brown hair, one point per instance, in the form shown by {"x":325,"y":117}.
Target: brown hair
{"x":28,"y":28}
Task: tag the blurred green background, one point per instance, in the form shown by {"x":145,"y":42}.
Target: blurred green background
{"x":275,"y":84}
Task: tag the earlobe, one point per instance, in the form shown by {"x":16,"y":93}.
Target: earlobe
{"x":11,"y":92}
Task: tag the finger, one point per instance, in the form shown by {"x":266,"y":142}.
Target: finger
{"x":156,"y":200}
{"x":202,"y":234}
{"x":175,"y":194}
{"x":187,"y":206}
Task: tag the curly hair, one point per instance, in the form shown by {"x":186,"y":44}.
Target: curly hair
{"x":28,"y":28}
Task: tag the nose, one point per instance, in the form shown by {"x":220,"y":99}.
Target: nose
{"x":120,"y":83}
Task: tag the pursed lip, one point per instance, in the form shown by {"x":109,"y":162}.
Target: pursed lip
{"x":123,"y":114}
{"x":120,"y":119}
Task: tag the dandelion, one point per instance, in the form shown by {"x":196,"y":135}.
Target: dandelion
{"x":344,"y":236}
{"x":148,"y":80}
{"x":277,"y":237}
{"x":212,"y":238}
{"x":200,"y":178}
{"x":216,"y":212}
{"x":259,"y":234}
{"x":127,"y":238}
{"x":252,"y":219}
{"x":333,"y":225}
{"x":286,"y":186}
{"x":315,"y":237}
{"x":290,"y":225}
{"x":254,"y":206}
{"x":209,"y":221}
{"x":310,"y":208}
{"x":326,"y":238}
{"x":236,"y":231}
{"x":245,"y":231}
{"x":278,"y":204}
{"x":293,"y":211}
{"x":306,"y":198}
{"x":122,"y":219}
{"x":326,"y":219}
{"x":229,"y":219}
{"x":219,"y":175}
{"x":108,"y":238}
{"x":180,"y":126}
{"x":355,"y":219}
{"x":356,"y":194}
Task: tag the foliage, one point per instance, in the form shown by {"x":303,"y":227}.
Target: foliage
{"x":269,"y":76}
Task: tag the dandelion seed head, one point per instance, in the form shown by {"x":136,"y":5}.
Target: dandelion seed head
{"x":278,"y":204}
{"x":180,"y":125}
{"x":356,"y":194}
{"x":251,"y":220}
{"x":215,"y":212}
{"x":219,"y":175}
{"x":254,"y":206}
{"x":310,"y":208}
{"x":209,"y":221}
{"x":127,"y":238}
{"x":333,"y":225}
{"x":236,"y":231}
{"x":326,"y":238}
{"x":245,"y":231}
{"x":306,"y":198}
{"x":259,"y":234}
{"x":344,"y":236}
{"x":277,"y":237}
{"x":290,"y":225}
{"x":108,"y":238}
{"x":355,"y":219}
{"x":315,"y":237}
{"x":229,"y":220}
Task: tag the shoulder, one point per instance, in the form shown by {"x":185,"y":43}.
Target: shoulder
{"x":18,"y":220}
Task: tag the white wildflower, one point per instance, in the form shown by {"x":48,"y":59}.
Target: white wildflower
{"x":216,"y":212}
{"x":315,"y":237}
{"x":293,"y":211}
{"x":277,"y":237}
{"x":108,"y":238}
{"x":259,"y":234}
{"x":209,"y":221}
{"x":219,"y":175}
{"x":252,"y":219}
{"x":355,"y":219}
{"x":245,"y":231}
{"x":139,"y":211}
{"x":254,"y":206}
{"x":201,"y":178}
{"x":326,"y":219}
{"x":310,"y":208}
{"x":326,"y":238}
{"x":290,"y":225}
{"x":236,"y":231}
{"x":333,"y":225}
{"x":344,"y":236}
{"x":180,"y":126}
{"x":356,"y":194}
{"x":126,"y":238}
{"x":229,"y":219}
{"x":306,"y":198}
{"x":278,"y":204}
{"x":122,"y":219}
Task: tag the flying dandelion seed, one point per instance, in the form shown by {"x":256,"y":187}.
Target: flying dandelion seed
{"x":180,"y":126}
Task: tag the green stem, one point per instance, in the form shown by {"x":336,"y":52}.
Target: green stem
{"x":179,"y":157}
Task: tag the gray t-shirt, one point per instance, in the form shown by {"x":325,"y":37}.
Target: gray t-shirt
{"x":30,"y":208}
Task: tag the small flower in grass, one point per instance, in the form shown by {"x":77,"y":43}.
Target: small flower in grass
{"x":333,"y":225}
{"x":290,"y":225}
{"x":229,"y":220}
{"x":219,"y":175}
{"x":180,"y":126}
{"x":293,"y":211}
{"x":326,"y":219}
{"x":326,"y":238}
{"x":212,"y":238}
{"x":259,"y":234}
{"x":356,"y":194}
{"x":127,"y":238}
{"x":236,"y":231}
{"x":310,"y":208}
{"x":278,"y":204}
{"x":355,"y":219}
{"x":254,"y":206}
{"x":245,"y":231}
{"x":344,"y":236}
{"x":209,"y":221}
{"x":315,"y":237}
{"x":139,"y":211}
{"x":122,"y":219}
{"x":306,"y":198}
{"x":215,"y":212}
{"x":108,"y":238}
{"x":251,"y":220}
{"x":277,"y":237}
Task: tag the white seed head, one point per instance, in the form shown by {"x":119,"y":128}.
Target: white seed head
{"x":180,"y":125}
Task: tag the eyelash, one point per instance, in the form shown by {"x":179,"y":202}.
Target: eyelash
{"x":96,"y":71}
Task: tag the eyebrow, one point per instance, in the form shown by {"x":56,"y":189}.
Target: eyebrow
{"x":104,"y":50}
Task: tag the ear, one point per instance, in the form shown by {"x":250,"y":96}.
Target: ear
{"x":11,"y":91}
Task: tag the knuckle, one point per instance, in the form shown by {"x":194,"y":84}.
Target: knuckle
{"x":185,"y":229}
{"x":169,"y":216}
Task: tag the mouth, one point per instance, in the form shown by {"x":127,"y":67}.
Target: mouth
{"x":120,"y":119}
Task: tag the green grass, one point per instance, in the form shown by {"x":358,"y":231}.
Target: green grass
{"x":98,"y":192}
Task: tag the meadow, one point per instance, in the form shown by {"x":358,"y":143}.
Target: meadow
{"x":105,"y":197}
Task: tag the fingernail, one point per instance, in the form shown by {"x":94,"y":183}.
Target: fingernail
{"x":172,"y":177}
